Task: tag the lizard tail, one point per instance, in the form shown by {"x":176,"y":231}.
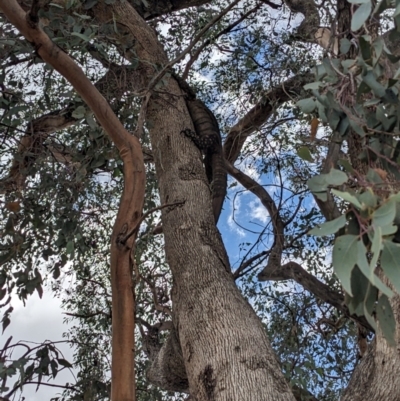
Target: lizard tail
{"x":219,"y":184}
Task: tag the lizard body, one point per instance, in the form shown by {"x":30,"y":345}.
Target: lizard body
{"x":207,"y":138}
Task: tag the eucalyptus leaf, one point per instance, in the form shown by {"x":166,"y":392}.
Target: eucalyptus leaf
{"x":356,"y":128}
{"x":373,"y":177}
{"x":344,"y":257}
{"x":397,"y":10}
{"x":384,"y":216}
{"x":361,"y":15}
{"x":330,"y":227}
{"x":348,"y":197}
{"x":313,"y":85}
{"x":378,"y":47}
{"x":376,"y":246}
{"x":318,"y":183}
{"x":345,"y":45}
{"x":389,"y":229}
{"x":79,"y":112}
{"x":390,"y":262}
{"x":69,"y":248}
{"x":368,"y":198}
{"x":346,"y":165}
{"x":305,"y":154}
{"x":386,"y":319}
{"x":365,"y":268}
{"x":372,"y":82}
{"x":306,"y":105}
{"x":336,"y":177}
{"x":81,"y":36}
{"x":369,"y":305}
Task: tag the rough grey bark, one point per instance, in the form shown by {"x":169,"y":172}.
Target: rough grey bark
{"x":224,"y":346}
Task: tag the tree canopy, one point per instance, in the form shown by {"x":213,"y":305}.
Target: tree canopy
{"x":101,"y":188}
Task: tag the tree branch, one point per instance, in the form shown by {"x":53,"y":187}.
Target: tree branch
{"x":310,"y":30}
{"x":39,"y":129}
{"x":261,"y":112}
{"x":31,"y":146}
{"x":265,"y":198}
{"x":329,"y":208}
{"x":293,"y":271}
{"x":155,"y":80}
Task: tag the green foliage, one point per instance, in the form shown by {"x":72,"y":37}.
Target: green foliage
{"x":36,"y":364}
{"x":62,"y":229}
{"x":369,"y":110}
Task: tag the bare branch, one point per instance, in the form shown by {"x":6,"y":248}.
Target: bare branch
{"x":260,"y":256}
{"x":265,"y":198}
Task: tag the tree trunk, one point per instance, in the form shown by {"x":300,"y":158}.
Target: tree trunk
{"x":377,"y":375}
{"x":224,"y":346}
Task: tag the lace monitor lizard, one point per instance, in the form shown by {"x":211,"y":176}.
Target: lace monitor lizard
{"x":207,"y":137}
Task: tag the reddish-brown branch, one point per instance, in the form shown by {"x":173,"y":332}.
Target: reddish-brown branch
{"x":123,"y":303}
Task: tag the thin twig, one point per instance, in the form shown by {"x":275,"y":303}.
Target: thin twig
{"x":208,"y":41}
{"x":155,"y":80}
{"x":136,"y":227}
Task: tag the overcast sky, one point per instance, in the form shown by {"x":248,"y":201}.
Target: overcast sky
{"x":39,"y":320}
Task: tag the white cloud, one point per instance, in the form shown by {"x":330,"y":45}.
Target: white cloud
{"x":258,"y":211}
{"x":251,"y":171}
